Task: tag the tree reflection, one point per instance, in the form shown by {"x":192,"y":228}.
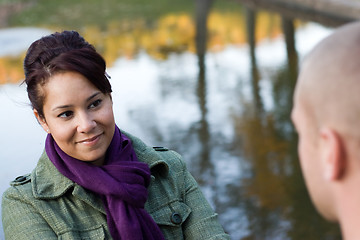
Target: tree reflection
{"x":277,"y":203}
{"x":257,"y":130}
{"x":255,"y":76}
{"x":206,"y":170}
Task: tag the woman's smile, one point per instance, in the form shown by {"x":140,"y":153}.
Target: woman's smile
{"x":92,"y":141}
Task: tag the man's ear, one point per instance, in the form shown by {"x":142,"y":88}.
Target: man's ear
{"x":42,"y":121}
{"x":333,"y":154}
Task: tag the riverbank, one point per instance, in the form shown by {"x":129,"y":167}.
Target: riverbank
{"x":327,"y":12}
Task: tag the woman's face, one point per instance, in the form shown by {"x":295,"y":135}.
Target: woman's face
{"x":78,"y":116}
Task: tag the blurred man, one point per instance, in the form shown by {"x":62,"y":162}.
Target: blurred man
{"x":326,"y":114}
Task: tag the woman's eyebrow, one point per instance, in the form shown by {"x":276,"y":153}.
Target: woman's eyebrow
{"x":92,"y":96}
{"x":67,"y":106}
{"x":60,"y":107}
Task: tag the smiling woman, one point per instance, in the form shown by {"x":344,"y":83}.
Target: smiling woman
{"x":80,"y":121}
{"x":93,"y":179}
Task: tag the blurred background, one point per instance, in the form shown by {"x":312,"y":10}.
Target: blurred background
{"x":212,"y":80}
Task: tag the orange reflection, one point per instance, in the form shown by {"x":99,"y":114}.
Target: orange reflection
{"x":172,"y":33}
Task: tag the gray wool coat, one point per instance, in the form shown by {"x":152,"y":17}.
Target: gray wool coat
{"x":47,"y":205}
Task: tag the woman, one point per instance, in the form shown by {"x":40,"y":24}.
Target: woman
{"x":94,"y":181}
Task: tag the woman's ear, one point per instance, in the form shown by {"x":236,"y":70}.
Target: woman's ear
{"x":42,"y":121}
{"x":333,"y":154}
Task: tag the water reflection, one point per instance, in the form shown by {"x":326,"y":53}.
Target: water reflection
{"x":216,"y":87}
{"x":161,"y":37}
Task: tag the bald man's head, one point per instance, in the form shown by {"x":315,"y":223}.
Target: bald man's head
{"x":328,"y":87}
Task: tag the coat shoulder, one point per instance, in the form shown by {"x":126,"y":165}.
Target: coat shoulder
{"x":19,"y":187}
{"x":171,"y":157}
{"x":157,"y":155}
{"x":21,"y":180}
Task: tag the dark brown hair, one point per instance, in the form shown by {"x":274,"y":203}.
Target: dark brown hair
{"x":62,"y":52}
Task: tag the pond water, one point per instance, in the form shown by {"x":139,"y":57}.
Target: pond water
{"x":225,"y":108}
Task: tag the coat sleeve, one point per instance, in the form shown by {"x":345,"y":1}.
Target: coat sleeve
{"x":203,"y":221}
{"x":20,"y":219}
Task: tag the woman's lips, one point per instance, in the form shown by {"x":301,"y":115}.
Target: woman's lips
{"x":90,"y":141}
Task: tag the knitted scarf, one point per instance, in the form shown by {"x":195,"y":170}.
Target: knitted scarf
{"x":121,"y":183}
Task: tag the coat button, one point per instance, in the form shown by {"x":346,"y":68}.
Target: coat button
{"x":176,"y":218}
{"x":20,"y":179}
{"x":160,"y":149}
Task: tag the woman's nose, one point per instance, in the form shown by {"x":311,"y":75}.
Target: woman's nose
{"x":86,"y":123}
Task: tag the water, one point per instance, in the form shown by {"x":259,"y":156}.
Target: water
{"x":226,"y":112}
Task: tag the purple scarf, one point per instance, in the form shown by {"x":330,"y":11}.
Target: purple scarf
{"x":121,"y":183}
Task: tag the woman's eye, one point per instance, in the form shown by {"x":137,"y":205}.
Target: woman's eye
{"x":66,"y":114}
{"x":95,"y":103}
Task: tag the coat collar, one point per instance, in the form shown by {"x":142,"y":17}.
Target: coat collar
{"x":49,"y":183}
